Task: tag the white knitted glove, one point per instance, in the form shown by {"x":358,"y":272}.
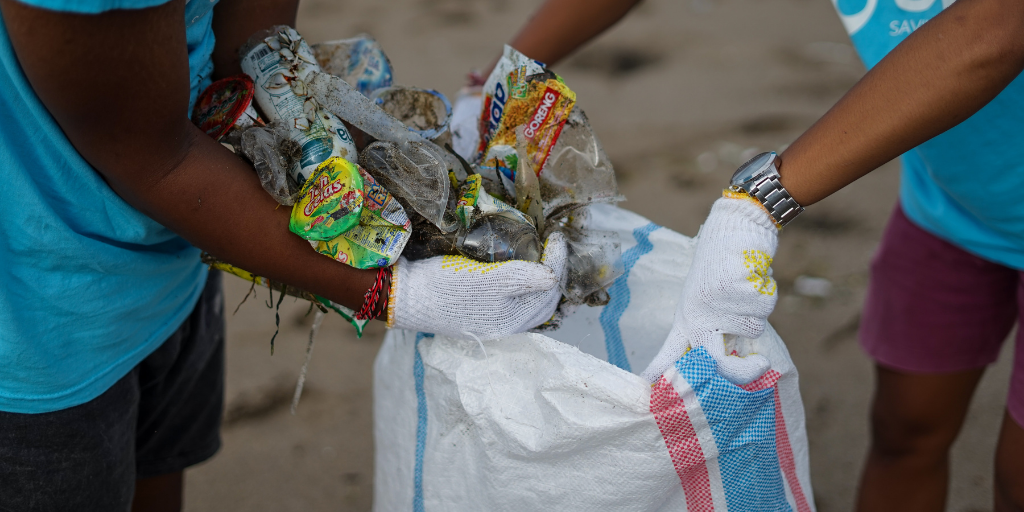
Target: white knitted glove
{"x":458,"y":297}
{"x":729,"y":290}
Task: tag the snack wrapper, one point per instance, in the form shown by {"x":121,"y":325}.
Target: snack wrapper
{"x":507,"y":78}
{"x":542,"y":109}
{"x":279,"y":65}
{"x":474,"y":202}
{"x":346,"y":313}
{"x":330,"y":202}
{"x":379,"y":238}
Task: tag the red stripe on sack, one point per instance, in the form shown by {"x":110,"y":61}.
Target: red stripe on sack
{"x":785,"y":452}
{"x":765,"y":381}
{"x":681,"y":440}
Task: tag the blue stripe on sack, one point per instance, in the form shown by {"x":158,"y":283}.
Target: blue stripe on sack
{"x":619,"y":293}
{"x":743,"y":426}
{"x":421,"y":423}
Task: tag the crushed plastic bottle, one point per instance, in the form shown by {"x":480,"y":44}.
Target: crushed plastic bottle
{"x":280,"y":62}
{"x":498,"y":238}
{"x":360,"y":61}
{"x":489,"y":238}
{"x":402,"y":157}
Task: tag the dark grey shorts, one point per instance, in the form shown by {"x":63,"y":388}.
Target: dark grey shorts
{"x":160,"y":418}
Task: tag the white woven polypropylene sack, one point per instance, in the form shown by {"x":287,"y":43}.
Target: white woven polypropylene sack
{"x":558,"y":421}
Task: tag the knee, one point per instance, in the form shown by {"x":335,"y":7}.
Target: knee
{"x":903,"y":434}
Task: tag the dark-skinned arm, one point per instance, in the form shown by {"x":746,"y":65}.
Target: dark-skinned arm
{"x":235,"y":20}
{"x":117,"y":83}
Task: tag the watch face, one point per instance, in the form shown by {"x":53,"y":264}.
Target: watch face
{"x":752,"y":167}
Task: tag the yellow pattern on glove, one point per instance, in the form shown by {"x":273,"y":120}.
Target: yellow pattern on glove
{"x":457,"y":263}
{"x":758,"y":262}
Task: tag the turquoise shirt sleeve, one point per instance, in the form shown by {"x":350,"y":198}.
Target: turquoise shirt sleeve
{"x":91,"y":6}
{"x":90,"y":285}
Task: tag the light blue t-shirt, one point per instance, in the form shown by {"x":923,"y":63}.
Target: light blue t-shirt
{"x":89,"y":286}
{"x":964,"y":185}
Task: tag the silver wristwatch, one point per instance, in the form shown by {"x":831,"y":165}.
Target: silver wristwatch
{"x":759,"y":177}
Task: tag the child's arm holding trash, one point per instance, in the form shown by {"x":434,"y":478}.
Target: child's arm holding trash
{"x":118,"y":85}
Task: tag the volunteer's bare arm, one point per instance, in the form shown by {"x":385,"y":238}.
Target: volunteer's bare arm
{"x":939,"y":76}
{"x":560,"y":26}
{"x":118,"y":85}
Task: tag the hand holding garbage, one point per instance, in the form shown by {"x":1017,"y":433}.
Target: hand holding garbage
{"x":729,"y":291}
{"x":460,"y":297}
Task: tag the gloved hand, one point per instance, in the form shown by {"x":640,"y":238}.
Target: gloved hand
{"x":454,"y":295}
{"x":729,"y":290}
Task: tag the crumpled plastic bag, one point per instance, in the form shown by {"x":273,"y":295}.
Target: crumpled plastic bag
{"x":272,"y":154}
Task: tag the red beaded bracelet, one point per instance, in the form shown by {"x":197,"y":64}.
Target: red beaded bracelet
{"x":371,"y":300}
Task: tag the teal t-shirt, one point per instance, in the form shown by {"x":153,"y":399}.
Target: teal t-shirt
{"x":963,"y":185}
{"x":90,"y":286}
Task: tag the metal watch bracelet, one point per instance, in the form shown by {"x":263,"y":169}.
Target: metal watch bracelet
{"x":770,"y":192}
{"x":759,"y":177}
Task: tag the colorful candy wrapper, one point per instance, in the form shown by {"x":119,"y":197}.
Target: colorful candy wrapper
{"x":330,"y":202}
{"x":474,"y":202}
{"x":346,"y":313}
{"x":379,"y":238}
{"x":279,"y":65}
{"x":224,"y":105}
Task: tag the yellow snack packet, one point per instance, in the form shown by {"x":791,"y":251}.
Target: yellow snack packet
{"x":330,"y":202}
{"x":379,"y":237}
{"x":542,"y":109}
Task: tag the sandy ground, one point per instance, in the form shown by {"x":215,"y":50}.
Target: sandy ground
{"x":678,"y":93}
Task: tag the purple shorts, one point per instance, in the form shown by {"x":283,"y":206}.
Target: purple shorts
{"x":934,"y":308}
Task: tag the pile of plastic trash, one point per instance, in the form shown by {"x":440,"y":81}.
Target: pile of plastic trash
{"x":370,"y":174}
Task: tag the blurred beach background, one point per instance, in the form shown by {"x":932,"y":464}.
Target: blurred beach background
{"x":679,"y":93}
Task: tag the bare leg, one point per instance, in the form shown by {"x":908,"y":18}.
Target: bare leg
{"x":159,"y":494}
{"x":914,"y":421}
{"x":1009,"y":488}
